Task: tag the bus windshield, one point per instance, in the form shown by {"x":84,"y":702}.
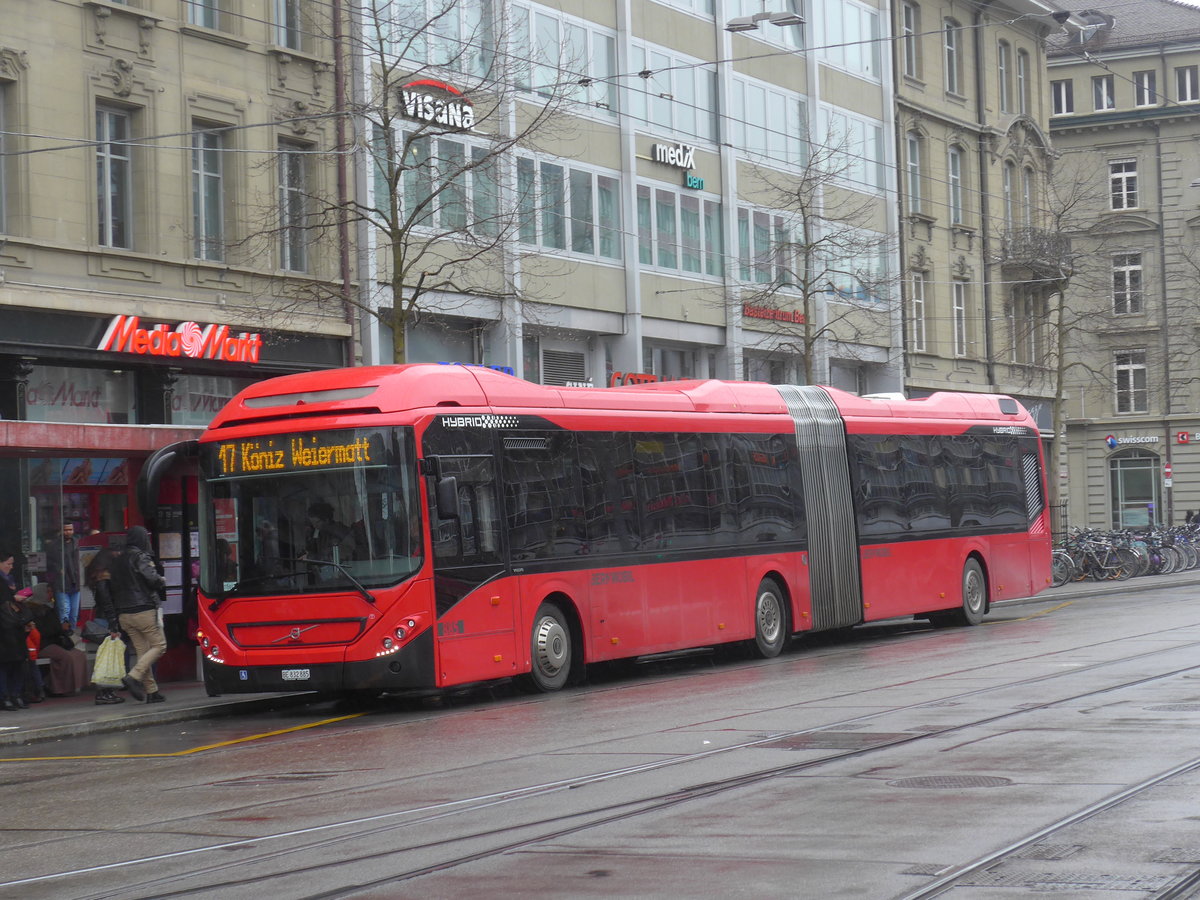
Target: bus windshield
{"x":309,"y":511}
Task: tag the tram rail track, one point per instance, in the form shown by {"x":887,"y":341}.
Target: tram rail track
{"x":326,"y":837}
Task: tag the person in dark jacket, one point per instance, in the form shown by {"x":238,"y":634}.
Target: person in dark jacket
{"x":62,"y":571}
{"x":15,"y":623}
{"x":135,"y":584}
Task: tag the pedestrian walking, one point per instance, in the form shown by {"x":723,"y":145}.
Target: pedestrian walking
{"x":135,"y":585}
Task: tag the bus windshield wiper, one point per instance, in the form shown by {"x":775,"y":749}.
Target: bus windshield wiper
{"x":367,"y":595}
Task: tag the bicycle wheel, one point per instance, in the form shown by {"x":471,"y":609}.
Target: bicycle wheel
{"x":1128,"y":563}
{"x":1062,"y":569}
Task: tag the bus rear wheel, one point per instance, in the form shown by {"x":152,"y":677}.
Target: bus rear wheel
{"x":549,"y":650}
{"x":974,"y":595}
{"x":771,"y":626}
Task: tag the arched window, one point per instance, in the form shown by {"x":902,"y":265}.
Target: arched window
{"x":1027,"y":207}
{"x":1009,"y":186}
{"x":1134,"y":479}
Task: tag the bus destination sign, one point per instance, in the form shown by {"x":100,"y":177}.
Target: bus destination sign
{"x":291,"y":453}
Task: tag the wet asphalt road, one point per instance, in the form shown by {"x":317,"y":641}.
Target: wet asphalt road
{"x":1052,"y":749}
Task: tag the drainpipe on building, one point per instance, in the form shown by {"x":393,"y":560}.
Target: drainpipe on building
{"x":343,"y":194}
{"x":1164,"y":330}
{"x":985,"y":241}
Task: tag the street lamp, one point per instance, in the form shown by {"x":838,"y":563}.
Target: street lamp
{"x":751,"y":23}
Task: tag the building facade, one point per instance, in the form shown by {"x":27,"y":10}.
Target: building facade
{"x":1126,"y":103}
{"x":157,"y":157}
{"x":694,"y":188}
{"x":972,"y":128}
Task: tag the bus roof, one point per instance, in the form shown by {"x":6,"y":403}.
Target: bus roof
{"x":422,"y":386}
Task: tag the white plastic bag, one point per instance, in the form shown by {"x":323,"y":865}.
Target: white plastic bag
{"x":110,"y":663}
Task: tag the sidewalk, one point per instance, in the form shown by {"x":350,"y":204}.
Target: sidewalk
{"x":63,"y":717}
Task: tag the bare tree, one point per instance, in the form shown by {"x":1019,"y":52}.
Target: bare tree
{"x":447,"y":92}
{"x":816,"y":245}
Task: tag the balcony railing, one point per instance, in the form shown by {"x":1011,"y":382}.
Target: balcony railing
{"x":1046,"y":252}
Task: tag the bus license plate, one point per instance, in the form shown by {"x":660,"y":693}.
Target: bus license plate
{"x":295,"y":674}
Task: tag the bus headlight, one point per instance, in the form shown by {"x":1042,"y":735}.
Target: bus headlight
{"x":388,"y":643}
{"x":400,"y":633}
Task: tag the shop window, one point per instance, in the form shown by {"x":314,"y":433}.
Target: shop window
{"x":64,"y":394}
{"x":1134,"y":479}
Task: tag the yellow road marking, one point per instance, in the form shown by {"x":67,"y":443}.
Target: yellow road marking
{"x":1034,"y":616}
{"x":189,"y":752}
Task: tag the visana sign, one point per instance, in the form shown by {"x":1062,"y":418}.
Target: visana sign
{"x":125,"y":335}
{"x":445,"y":106}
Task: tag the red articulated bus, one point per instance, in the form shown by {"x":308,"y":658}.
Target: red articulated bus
{"x":422,"y":526}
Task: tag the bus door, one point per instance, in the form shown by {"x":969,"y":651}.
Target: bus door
{"x":476,"y":605}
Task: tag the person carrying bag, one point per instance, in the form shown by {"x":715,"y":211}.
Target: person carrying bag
{"x":134,"y":586}
{"x":109,"y":671}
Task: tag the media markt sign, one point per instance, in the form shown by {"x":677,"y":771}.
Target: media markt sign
{"x":433,"y":101}
{"x":125,"y":334}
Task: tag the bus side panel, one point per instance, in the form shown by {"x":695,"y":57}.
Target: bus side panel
{"x":907,"y":577}
{"x":476,"y":640}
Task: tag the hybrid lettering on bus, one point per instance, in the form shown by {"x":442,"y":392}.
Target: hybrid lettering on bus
{"x":424,"y":526}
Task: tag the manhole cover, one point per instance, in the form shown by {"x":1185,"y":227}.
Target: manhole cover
{"x":836,"y":740}
{"x":950,"y":781}
{"x":925,"y":869}
{"x":1048,"y":851}
{"x":1179,"y":855}
{"x":1056,"y":881}
{"x":1175,"y":707}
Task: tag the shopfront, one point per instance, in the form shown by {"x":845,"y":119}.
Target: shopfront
{"x":85,"y":399}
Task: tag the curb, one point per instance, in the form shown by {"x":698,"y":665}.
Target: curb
{"x":188,"y":713}
{"x":1082,"y":590}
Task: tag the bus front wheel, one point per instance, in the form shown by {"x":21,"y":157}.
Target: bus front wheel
{"x":770,"y":619}
{"x":549,"y":650}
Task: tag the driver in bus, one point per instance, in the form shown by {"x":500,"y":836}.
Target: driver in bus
{"x":327,"y":540}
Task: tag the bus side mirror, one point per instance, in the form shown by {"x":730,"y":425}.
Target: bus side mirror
{"x":447,"y":497}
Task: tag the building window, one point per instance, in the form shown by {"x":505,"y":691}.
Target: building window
{"x":913,"y":171}
{"x":1103,"y":96}
{"x":293,"y":207}
{"x":916,"y":312}
{"x":458,"y":37}
{"x":287,"y":24}
{"x":1004,"y":74}
{"x":768,"y":248}
{"x":1122,"y":182}
{"x":568,"y":208}
{"x":910,"y":31}
{"x":1027,"y":204}
{"x":952,"y":32}
{"x":445,"y":184}
{"x":1187,"y":85}
{"x":679,"y":232}
{"x":959,"y":297}
{"x":1145,"y":88}
{"x":1063,"y":96}
{"x":1127,"y":283}
{"x":205,"y":13}
{"x":1130,"y":371}
{"x":772,"y":122}
{"x":955,"y":177}
{"x":1025,"y":317}
{"x":114,"y":174}
{"x":851,"y":37}
{"x":208,"y":193}
{"x":571,"y":58}
{"x":856,"y":152}
{"x":1008,"y":186}
{"x":1023,"y":82}
{"x":679,"y":94}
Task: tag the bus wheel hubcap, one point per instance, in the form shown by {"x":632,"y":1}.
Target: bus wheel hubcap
{"x":768,"y":616}
{"x":550,"y":646}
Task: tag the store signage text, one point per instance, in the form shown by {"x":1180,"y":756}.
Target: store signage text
{"x":750,"y":311}
{"x":1113,"y":442}
{"x":695,"y":182}
{"x":620,"y":378}
{"x":1186,"y":437}
{"x":416,"y":103}
{"x":125,"y":335}
{"x":682,"y":156}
